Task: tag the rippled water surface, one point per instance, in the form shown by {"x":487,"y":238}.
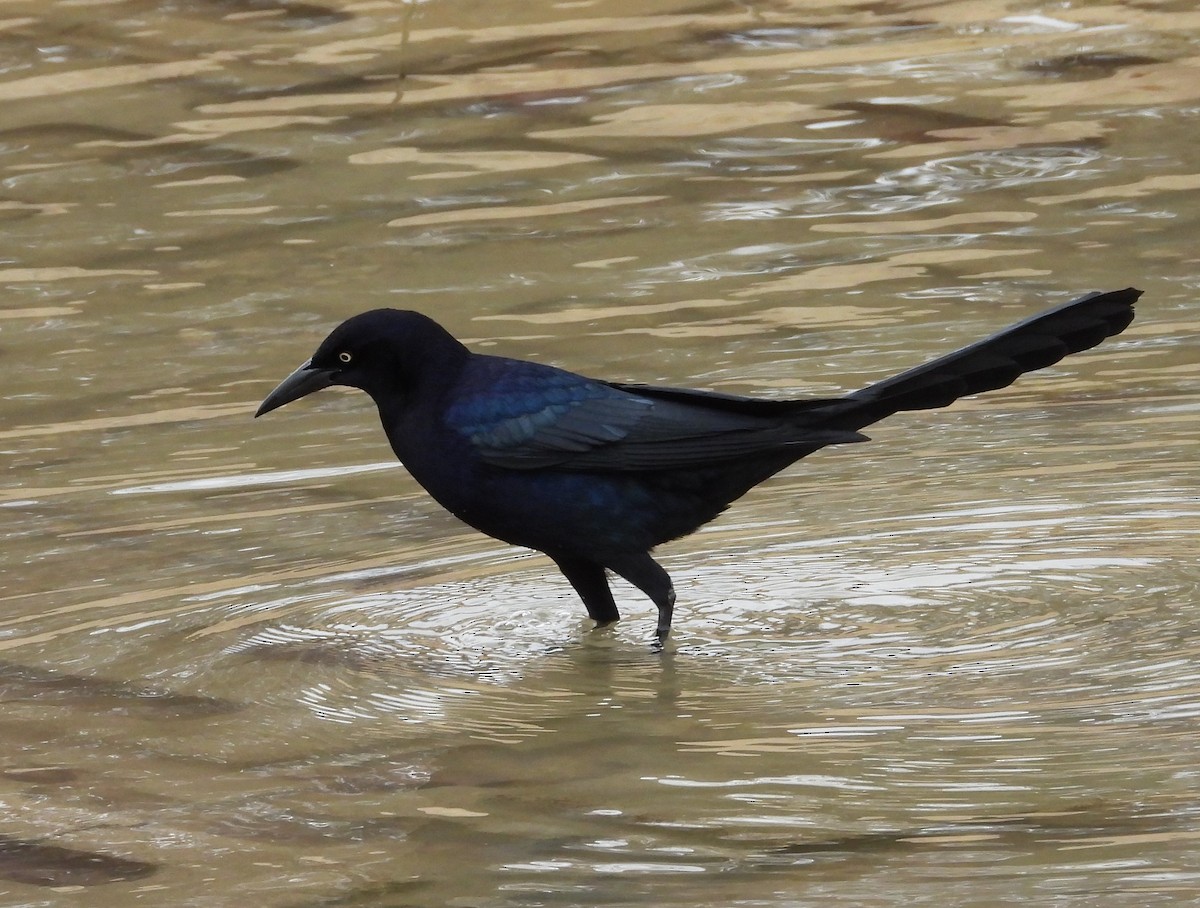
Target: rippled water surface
{"x":249,"y":662}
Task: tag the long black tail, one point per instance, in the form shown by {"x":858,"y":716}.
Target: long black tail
{"x":997,"y":361}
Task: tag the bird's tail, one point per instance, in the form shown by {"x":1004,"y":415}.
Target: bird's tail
{"x":997,"y":361}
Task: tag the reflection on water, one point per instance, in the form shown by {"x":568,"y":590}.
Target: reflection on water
{"x":956,"y":666}
{"x":36,"y":864}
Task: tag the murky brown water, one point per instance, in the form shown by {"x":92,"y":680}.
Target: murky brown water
{"x":250,"y":662}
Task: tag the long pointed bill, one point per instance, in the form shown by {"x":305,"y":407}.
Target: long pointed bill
{"x":305,"y":380}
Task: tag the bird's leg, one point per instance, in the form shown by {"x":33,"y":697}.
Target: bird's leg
{"x":666,"y":611}
{"x":590,"y":582}
{"x":648,"y":576}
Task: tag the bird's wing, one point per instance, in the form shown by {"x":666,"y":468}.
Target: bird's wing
{"x":522,"y":415}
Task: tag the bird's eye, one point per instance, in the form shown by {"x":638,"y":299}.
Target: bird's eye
{"x":345,"y":357}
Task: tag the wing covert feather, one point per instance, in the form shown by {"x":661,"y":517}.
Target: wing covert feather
{"x":539,"y":417}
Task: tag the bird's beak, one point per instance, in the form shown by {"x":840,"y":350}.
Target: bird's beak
{"x":305,"y":380}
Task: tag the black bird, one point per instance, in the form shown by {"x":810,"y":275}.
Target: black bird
{"x":596,"y":473}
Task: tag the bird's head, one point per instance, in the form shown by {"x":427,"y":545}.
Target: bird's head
{"x":385,"y":352}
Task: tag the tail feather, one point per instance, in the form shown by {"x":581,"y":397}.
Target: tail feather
{"x":997,"y":361}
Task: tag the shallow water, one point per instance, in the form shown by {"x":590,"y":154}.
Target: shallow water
{"x":251,"y":660}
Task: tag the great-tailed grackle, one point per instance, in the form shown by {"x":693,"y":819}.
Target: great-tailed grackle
{"x":595,"y":473}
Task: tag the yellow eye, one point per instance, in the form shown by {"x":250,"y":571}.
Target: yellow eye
{"x":345,"y":357}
